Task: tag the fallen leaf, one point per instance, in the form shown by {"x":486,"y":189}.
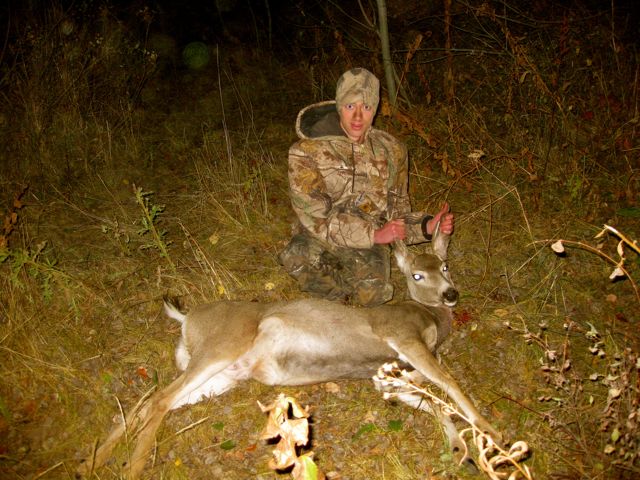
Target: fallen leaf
{"x":475,"y":155}
{"x":615,"y":435}
{"x":621,"y":317}
{"x":142,"y":373}
{"x":395,"y":425}
{"x":306,"y":469}
{"x":588,"y":115}
{"x":370,"y":417}
{"x":617,"y":272}
{"x":228,"y":445}
{"x":461,"y":318}
{"x":332,"y":387}
{"x":284,"y":455}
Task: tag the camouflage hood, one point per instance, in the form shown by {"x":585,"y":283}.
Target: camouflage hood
{"x":320,"y":121}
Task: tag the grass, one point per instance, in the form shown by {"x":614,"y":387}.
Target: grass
{"x":547,"y":346}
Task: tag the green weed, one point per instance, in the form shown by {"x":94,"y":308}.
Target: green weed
{"x":151,"y":219}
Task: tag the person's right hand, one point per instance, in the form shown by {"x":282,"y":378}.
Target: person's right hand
{"x":390,"y":231}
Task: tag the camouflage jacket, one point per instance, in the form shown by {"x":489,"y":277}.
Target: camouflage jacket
{"x":342,"y":191}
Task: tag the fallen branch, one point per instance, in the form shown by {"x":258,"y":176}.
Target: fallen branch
{"x":558,"y":246}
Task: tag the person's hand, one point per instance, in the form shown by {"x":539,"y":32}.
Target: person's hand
{"x":390,"y":231}
{"x":446,"y":220}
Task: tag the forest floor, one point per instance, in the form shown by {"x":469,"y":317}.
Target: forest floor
{"x":188,"y":197}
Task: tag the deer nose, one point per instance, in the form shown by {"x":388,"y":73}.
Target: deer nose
{"x":450,"y":296}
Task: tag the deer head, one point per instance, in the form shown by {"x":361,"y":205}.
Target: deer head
{"x":427,"y":274}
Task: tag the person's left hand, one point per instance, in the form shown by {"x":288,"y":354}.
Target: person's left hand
{"x":446,"y":219}
{"x":390,"y":232}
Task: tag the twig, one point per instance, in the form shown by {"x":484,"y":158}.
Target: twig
{"x":188,"y":427}
{"x":50,"y":469}
{"x":621,"y":236}
{"x":558,"y":247}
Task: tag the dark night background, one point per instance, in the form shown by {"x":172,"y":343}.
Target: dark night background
{"x":143,"y":148}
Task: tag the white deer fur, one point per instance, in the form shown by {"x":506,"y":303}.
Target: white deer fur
{"x":304,"y":342}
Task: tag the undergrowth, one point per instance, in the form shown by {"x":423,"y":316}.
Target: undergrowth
{"x":127,"y":176}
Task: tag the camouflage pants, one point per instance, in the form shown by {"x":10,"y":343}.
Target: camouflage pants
{"x":359,"y":276}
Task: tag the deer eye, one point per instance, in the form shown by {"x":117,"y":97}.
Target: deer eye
{"x":445,"y":268}
{"x":417,"y":277}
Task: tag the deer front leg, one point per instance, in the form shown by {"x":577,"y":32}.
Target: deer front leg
{"x":408,"y":396}
{"x":419,"y":357}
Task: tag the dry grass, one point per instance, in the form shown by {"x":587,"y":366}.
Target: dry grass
{"x":547,"y":346}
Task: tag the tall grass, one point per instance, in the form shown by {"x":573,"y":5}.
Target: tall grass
{"x":539,"y":143}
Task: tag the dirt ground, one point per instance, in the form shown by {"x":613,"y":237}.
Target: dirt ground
{"x":187,"y":196}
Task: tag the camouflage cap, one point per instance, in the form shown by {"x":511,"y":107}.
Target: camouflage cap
{"x":358,"y":85}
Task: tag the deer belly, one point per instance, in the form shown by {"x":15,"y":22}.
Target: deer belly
{"x":286,"y":354}
{"x":296,"y":369}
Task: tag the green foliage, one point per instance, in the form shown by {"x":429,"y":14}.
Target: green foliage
{"x":35,"y":264}
{"x":575,"y":186}
{"x":366,"y":428}
{"x":633,"y":212}
{"x":150,"y":225}
{"x":4,"y":410}
{"x":228,"y":445}
{"x":395,"y":425}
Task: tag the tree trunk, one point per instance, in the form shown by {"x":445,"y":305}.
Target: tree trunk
{"x":386,"y":53}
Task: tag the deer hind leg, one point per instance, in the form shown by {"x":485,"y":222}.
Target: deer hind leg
{"x":100,"y":456}
{"x":144,"y":421}
{"x":103,"y":452}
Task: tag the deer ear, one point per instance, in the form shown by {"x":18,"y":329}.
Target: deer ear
{"x":401,"y":252}
{"x":440,"y":243}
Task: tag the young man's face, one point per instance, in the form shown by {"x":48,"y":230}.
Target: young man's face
{"x":355,"y":120}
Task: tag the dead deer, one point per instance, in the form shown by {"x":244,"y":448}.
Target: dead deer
{"x":304,"y":342}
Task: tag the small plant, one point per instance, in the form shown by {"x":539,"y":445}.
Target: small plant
{"x":37,"y":266}
{"x":150,"y":225}
{"x":11,"y":220}
{"x":118,"y":233}
{"x":34,"y":262}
